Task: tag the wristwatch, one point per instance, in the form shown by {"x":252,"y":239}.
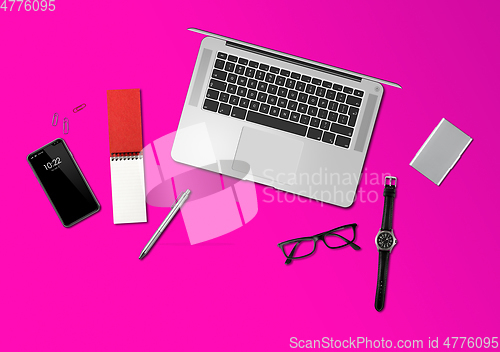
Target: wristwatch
{"x":385,"y":241}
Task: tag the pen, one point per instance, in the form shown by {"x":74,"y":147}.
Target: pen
{"x":165,"y":223}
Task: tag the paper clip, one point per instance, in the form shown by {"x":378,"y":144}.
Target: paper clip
{"x":55,"y":117}
{"x":66,"y":125}
{"x":79,"y":107}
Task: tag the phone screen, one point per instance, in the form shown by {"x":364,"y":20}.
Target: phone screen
{"x":63,"y":182}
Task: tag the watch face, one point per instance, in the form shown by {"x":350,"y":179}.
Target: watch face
{"x":385,"y":240}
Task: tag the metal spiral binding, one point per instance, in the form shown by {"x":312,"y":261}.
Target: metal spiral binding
{"x":126,"y":156}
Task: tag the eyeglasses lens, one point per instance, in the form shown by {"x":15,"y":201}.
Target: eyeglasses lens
{"x":339,"y":238}
{"x":299,"y":249}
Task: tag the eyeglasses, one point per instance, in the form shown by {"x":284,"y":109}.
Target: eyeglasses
{"x":305,"y":246}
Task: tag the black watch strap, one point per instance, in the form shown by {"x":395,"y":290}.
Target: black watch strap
{"x":383,"y":257}
{"x":383,"y":267}
{"x":389,"y":195}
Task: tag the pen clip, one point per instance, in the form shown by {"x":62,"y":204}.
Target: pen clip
{"x":175,"y":201}
{"x":185,"y":194}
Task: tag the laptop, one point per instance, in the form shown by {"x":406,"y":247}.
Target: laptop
{"x":283,"y":121}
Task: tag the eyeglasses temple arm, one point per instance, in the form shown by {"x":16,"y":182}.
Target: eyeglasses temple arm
{"x":354,"y":246}
{"x":288,"y":260}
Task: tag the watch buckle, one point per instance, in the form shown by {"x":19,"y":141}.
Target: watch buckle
{"x":390,"y":178}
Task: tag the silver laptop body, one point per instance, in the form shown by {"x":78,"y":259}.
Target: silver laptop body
{"x":249,"y":114}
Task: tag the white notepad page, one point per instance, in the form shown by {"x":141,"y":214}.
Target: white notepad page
{"x":128,"y":190}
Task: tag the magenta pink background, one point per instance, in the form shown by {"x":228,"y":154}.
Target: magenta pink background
{"x":84,"y":289}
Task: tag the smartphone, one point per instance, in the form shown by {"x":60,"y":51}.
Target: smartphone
{"x":63,"y":182}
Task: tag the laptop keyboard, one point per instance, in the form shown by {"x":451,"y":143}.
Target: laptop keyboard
{"x":287,"y":101}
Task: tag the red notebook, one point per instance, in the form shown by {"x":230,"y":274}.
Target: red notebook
{"x":125,"y":146}
{"x":124,"y":120}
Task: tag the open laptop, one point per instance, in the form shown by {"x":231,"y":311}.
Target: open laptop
{"x":287,"y":122}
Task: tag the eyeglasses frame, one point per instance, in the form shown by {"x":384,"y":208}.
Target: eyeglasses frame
{"x":320,"y":237}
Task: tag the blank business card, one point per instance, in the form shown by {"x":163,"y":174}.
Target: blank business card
{"x":441,"y":151}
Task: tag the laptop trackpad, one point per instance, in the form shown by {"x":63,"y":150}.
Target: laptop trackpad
{"x":267,"y":154}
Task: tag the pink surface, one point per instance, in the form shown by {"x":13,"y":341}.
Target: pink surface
{"x":211,"y":217}
{"x":211,"y":209}
{"x":83,"y":288}
{"x":246,"y":198}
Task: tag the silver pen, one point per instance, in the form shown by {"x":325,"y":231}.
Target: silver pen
{"x":165,"y":223}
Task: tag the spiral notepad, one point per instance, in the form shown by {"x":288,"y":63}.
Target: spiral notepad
{"x":126,"y":160}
